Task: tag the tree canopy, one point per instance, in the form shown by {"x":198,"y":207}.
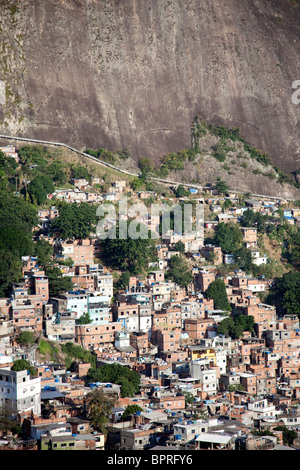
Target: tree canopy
{"x":99,"y":408}
{"x":285,"y":293}
{"x":229,"y":237}
{"x":117,"y":374}
{"x":22,"y":364}
{"x":234,"y":326}
{"x":57,"y":282}
{"x":217,"y":291}
{"x":221,"y":186}
{"x":39,"y":188}
{"x":75,"y":220}
{"x":179,"y":271}
{"x":128,"y":254}
{"x":130,"y":410}
{"x":17,"y":219}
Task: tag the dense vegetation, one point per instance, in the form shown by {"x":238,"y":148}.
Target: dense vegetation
{"x":179,"y":271}
{"x":217,"y":292}
{"x":285,"y":293}
{"x":234,"y":326}
{"x":99,"y":407}
{"x":75,"y":221}
{"x":117,"y":374}
{"x":126,"y":253}
{"x":17,"y":220}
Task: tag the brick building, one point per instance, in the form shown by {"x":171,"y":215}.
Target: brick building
{"x":97,"y":336}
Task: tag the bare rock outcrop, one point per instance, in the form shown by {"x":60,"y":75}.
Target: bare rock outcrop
{"x":134,"y":73}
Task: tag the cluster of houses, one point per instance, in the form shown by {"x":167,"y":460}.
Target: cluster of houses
{"x":198,"y":389}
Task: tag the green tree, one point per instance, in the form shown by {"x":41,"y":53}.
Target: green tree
{"x":57,"y":282}
{"x":8,"y":165}
{"x":217,"y":291}
{"x":181,"y":192}
{"x":137,"y":183}
{"x":33,"y":154}
{"x":10,"y":271}
{"x":80,"y":171}
{"x":234,"y":326}
{"x":229,"y":237}
{"x":285,"y":293}
{"x":226,"y":327}
{"x":84,"y":319}
{"x":226,"y":204}
{"x":123,"y":280}
{"x":292,"y":248}
{"x":39,"y":188}
{"x":15,"y":207}
{"x":26,"y":338}
{"x":288,"y":435}
{"x":117,"y":374}
{"x":243,"y":257}
{"x":74,"y":352}
{"x":179,"y":271}
{"x":221,"y":186}
{"x":17,"y":219}
{"x":179,"y":246}
{"x":246,"y":322}
{"x":43,"y":251}
{"x":99,"y":408}
{"x":57,"y":173}
{"x":127,"y":387}
{"x":189,"y":398}
{"x":74,"y":221}
{"x":7,"y":424}
{"x":146,"y":166}
{"x":130,"y":410}
{"x":126,"y":253}
{"x":22,"y":364}
{"x":252,"y":218}
{"x":15,"y":237}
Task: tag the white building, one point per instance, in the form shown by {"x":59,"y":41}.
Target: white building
{"x":257,"y":258}
{"x":145,"y":320}
{"x":221,"y":360}
{"x":190,"y":430}
{"x":61,"y":327}
{"x":199,"y":369}
{"x":262,"y":408}
{"x":161,"y":293}
{"x":104,"y":285}
{"x":96,"y":305}
{"x":19,"y":393}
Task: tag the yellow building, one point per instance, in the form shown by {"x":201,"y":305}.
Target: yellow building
{"x":202,"y":352}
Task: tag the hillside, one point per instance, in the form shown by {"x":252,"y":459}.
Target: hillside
{"x":214,"y":152}
{"x":134,"y":74}
{"x":219,"y":152}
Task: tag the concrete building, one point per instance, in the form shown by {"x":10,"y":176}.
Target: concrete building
{"x":19,"y":393}
{"x":61,"y":327}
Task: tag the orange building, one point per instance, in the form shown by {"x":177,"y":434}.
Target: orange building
{"x":196,"y":329}
{"x":27,"y":316}
{"x":166,"y":340}
{"x":249,"y":236}
{"x":97,"y":336}
{"x":79,"y":251}
{"x":203,"y":279}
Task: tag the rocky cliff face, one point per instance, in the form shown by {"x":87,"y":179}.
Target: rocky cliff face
{"x":134,"y":73}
